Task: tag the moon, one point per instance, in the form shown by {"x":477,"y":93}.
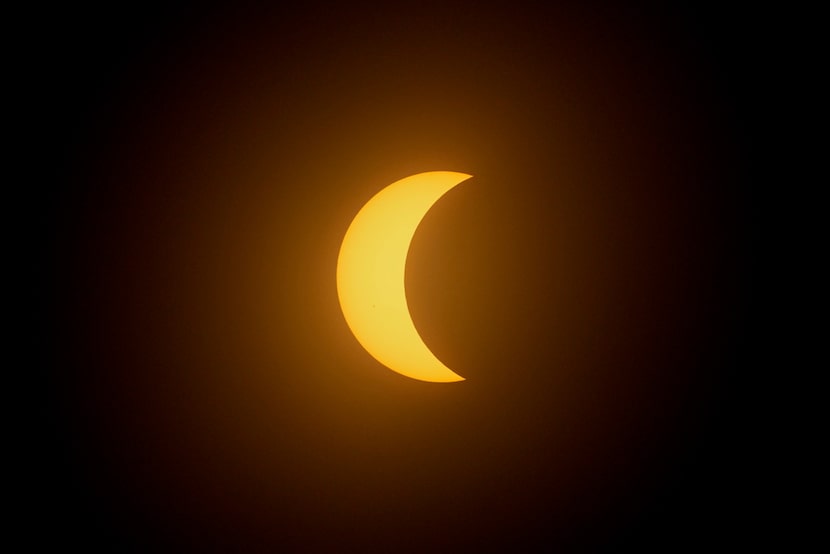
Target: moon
{"x":370,"y":275}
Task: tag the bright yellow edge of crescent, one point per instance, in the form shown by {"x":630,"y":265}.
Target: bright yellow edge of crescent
{"x":370,"y":275}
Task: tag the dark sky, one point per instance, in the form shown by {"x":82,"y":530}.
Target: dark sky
{"x":201,"y":390}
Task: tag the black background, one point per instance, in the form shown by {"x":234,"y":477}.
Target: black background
{"x":197,"y":168}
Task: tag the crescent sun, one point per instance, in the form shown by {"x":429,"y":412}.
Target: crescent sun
{"x":370,"y":275}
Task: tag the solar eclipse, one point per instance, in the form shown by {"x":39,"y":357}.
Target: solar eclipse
{"x":371,"y":269}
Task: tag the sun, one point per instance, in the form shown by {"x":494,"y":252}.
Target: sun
{"x":370,"y":275}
